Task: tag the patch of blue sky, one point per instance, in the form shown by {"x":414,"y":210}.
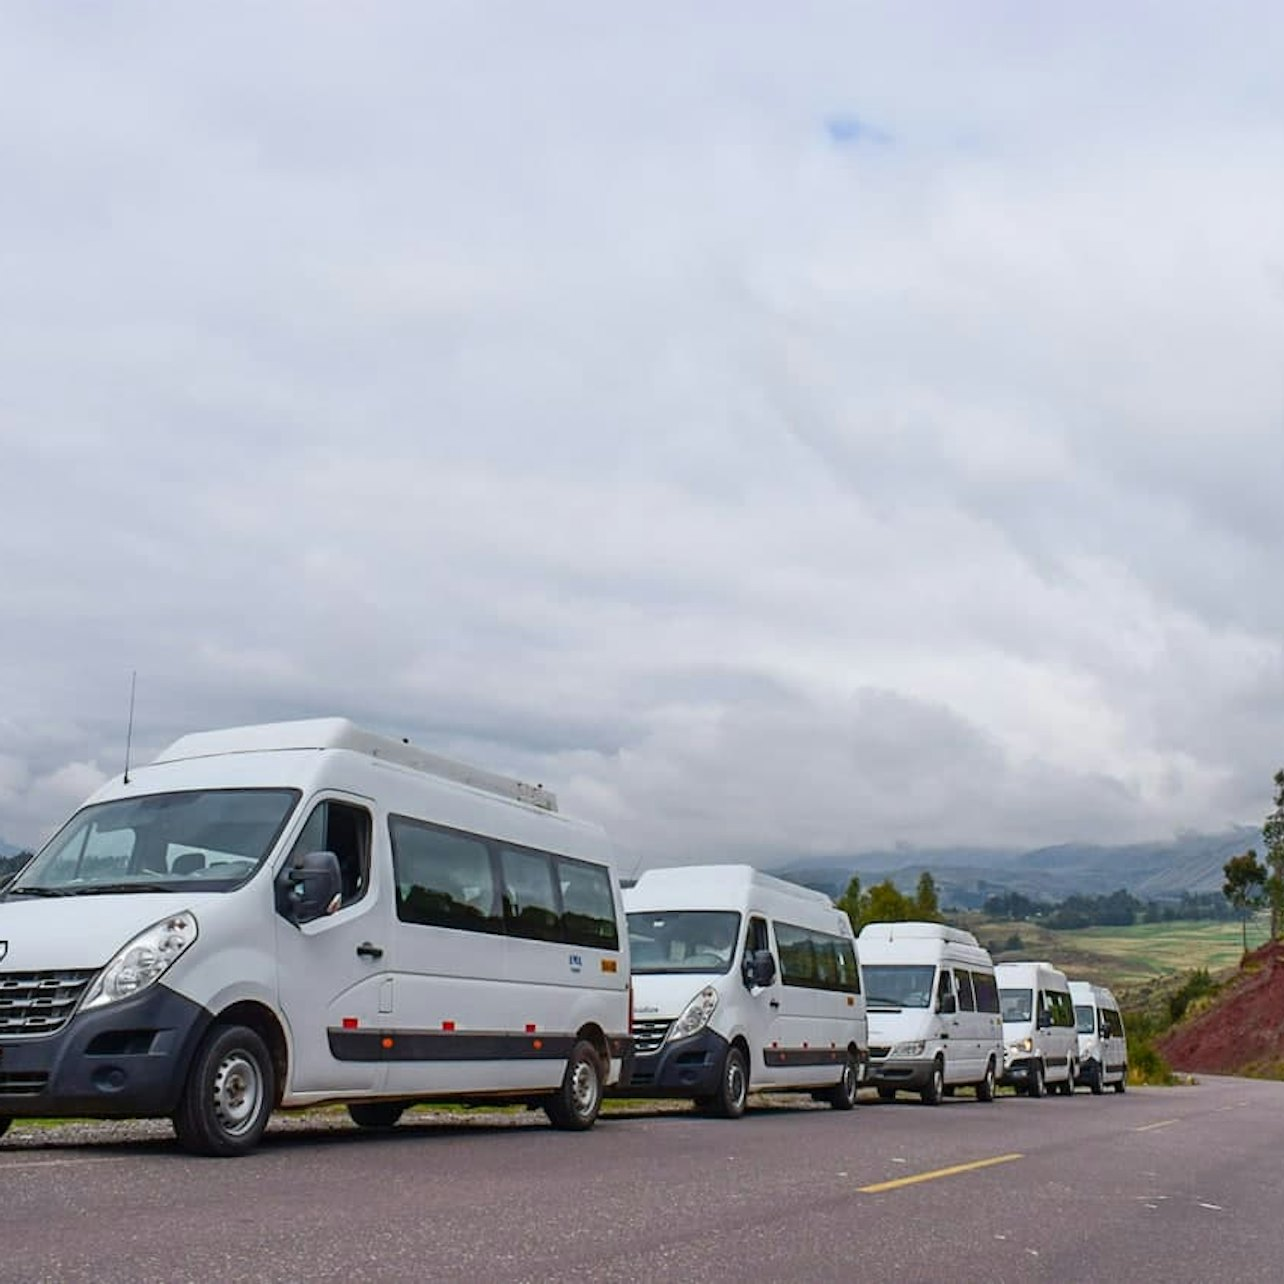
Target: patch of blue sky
{"x":844,"y":129}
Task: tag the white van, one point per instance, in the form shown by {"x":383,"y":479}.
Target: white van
{"x":933,"y":1010}
{"x":297,"y":913}
{"x":1103,"y":1046}
{"x":1041,"y":1048}
{"x":742,"y":982}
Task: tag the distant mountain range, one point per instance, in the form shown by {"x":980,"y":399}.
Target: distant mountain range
{"x":7,"y":849}
{"x":965,"y":876}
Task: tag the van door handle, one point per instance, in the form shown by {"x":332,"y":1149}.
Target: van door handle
{"x":775,"y":1003}
{"x":368,"y":951}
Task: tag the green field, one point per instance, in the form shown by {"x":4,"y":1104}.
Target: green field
{"x":1125,"y":957}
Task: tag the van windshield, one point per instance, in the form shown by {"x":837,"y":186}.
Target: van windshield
{"x":683,"y":940}
{"x":1017,"y":1004}
{"x":899,"y":985}
{"x":1085,"y":1018}
{"x":211,"y":839}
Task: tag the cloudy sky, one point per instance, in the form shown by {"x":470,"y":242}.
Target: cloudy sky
{"x":780,"y":429}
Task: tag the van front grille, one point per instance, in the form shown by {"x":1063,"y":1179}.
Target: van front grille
{"x":648,"y":1035}
{"x":878,"y":1053}
{"x":22,"y":1083}
{"x":39,"y":1002}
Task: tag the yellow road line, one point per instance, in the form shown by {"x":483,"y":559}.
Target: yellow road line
{"x":939,"y":1172}
{"x":1163,"y":1123}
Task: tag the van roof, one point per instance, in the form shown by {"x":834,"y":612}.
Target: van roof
{"x":340,"y":733}
{"x":916,"y":931}
{"x":719,"y":884}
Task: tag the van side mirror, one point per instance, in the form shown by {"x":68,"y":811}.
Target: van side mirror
{"x":759,"y":968}
{"x":309,"y":887}
{"x":947,"y":1005}
{"x":1045,"y":1021}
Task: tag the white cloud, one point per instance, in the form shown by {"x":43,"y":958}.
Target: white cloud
{"x":556,"y":391}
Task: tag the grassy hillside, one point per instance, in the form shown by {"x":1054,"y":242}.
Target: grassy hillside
{"x":1123,"y":957}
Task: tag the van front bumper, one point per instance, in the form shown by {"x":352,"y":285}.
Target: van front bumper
{"x":690,"y":1067}
{"x":128,"y":1059}
{"x":1016,"y":1073}
{"x":904,"y":1073}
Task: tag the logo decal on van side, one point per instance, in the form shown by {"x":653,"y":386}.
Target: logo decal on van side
{"x":577,"y":963}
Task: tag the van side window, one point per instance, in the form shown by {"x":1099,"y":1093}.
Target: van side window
{"x":530,"y":898}
{"x":967,"y":998}
{"x":1061,"y":1005}
{"x":443,"y":877}
{"x":987,"y":992}
{"x":815,"y":959}
{"x":1112,"y":1023}
{"x":944,"y":986}
{"x":848,"y":972}
{"x":344,"y":830}
{"x":756,"y":939}
{"x":588,"y":909}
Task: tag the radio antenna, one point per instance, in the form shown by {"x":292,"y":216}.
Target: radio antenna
{"x":129,"y":729}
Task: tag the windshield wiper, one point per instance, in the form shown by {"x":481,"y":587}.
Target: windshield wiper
{"x":99,"y":889}
{"x":37,"y":891}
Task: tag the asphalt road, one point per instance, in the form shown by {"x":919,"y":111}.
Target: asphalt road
{"x":1176,"y":1184}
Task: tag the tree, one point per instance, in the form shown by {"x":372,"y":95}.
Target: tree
{"x":926,"y":904}
{"x":1273,"y":835}
{"x":851,"y":902}
{"x":885,"y":904}
{"x":1245,"y":886}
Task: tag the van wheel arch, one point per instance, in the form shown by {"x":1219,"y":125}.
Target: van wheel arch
{"x":595,"y":1035}
{"x":263,"y":1022}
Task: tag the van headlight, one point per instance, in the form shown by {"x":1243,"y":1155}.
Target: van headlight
{"x":144,"y":960}
{"x":1022,"y":1045}
{"x":695,"y":1016}
{"x":913,"y":1049}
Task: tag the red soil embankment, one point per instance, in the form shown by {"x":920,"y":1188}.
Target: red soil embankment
{"x":1244,"y":1029}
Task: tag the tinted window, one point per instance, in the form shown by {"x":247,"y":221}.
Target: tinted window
{"x":1061,"y":1006}
{"x":339,"y":828}
{"x":443,"y":877}
{"x":1085,"y":1019}
{"x":987,"y":992}
{"x":816,"y":959}
{"x":588,"y":908}
{"x":963,"y":983}
{"x":530,"y":897}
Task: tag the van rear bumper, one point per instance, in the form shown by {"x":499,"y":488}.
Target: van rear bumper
{"x":689,"y":1067}
{"x":126,"y":1060}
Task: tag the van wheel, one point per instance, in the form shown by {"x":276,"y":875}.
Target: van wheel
{"x":887,"y":1094}
{"x":934,"y":1091}
{"x":375,"y":1114}
{"x":574,"y":1106}
{"x":1095,"y":1086}
{"x":1038,"y":1088}
{"x":1122,"y":1085}
{"x":733,"y":1088}
{"x":985,"y":1089}
{"x":228,"y":1096}
{"x":843,"y":1097}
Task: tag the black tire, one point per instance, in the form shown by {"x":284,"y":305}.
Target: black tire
{"x":1037,"y":1085}
{"x":574,"y":1106}
{"x":1095,"y":1086}
{"x":887,"y":1094}
{"x":228,"y":1097}
{"x":376,"y":1114}
{"x":729,"y":1101}
{"x":843,"y":1097}
{"x":933,"y":1092}
{"x":1122,"y":1085}
{"x":985,"y":1089}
